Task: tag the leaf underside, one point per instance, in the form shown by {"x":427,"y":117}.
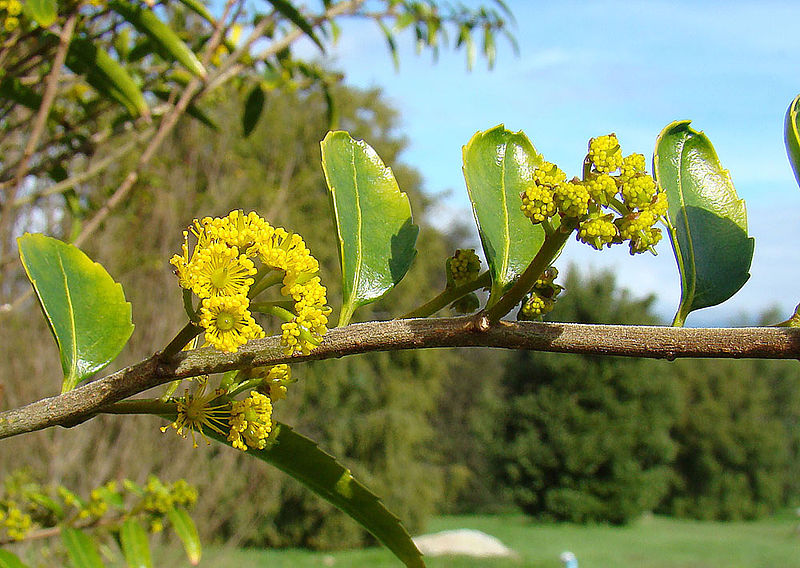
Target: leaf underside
{"x":707,"y":220}
{"x":302,"y":459}
{"x":498,"y":165}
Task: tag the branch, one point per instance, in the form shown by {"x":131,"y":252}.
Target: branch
{"x":669,"y":343}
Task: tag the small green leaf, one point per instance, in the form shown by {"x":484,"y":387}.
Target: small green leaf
{"x":146,"y":21}
{"x":106,"y":75}
{"x":135,"y":545}
{"x":287,"y":10}
{"x":303,"y":460}
{"x":373,"y":221}
{"x":42,"y":11}
{"x":81,"y":549}
{"x":252,"y":109}
{"x":199,"y":9}
{"x":9,"y":560}
{"x":707,"y":220}
{"x":85,"y":308}
{"x":498,"y":165}
{"x":186,"y":530}
{"x":792,"y":136}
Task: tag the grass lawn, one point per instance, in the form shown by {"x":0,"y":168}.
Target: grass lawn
{"x":651,"y":542}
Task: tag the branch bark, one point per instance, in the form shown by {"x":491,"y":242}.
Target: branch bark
{"x":76,"y":406}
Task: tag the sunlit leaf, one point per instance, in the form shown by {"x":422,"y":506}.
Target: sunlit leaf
{"x":303,"y":460}
{"x":85,"y":308}
{"x":135,"y":544}
{"x":373,"y":221}
{"x":146,"y":21}
{"x":81,"y":549}
{"x":792,"y":136}
{"x":184,"y":527}
{"x":44,"y":12}
{"x":498,"y":165}
{"x":708,"y":221}
{"x":107,"y":76}
{"x":10,"y":560}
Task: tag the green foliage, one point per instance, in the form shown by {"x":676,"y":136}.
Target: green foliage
{"x":708,"y":221}
{"x":498,"y":164}
{"x":792,"y":136}
{"x":733,"y":449}
{"x":585,"y":438}
{"x":372,"y":218}
{"x":84,"y":306}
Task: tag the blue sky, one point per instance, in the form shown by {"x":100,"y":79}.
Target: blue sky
{"x":589,"y":68}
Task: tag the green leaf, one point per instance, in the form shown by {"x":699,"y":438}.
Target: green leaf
{"x":373,"y":221}
{"x":42,"y":11}
{"x":288,"y":11}
{"x":303,"y":460}
{"x":498,"y":165}
{"x":707,"y":220}
{"x":81,"y":550}
{"x":252,"y":109}
{"x":792,"y":136}
{"x":9,"y":560}
{"x":199,"y":9}
{"x":107,"y":76}
{"x":146,"y":21}
{"x":186,"y":530}
{"x":85,"y":308}
{"x":135,"y":545}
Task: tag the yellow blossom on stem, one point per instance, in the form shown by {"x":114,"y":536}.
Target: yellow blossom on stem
{"x":228,"y":322}
{"x":219,"y":270}
{"x":196,"y":411}
{"x":251,"y":422}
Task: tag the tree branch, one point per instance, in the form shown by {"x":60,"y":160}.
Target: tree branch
{"x":655,"y":342}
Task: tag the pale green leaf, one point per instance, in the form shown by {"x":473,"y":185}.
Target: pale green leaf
{"x":373,"y":221}
{"x":44,"y":12}
{"x":81,"y":549}
{"x":135,"y":544}
{"x":184,"y":527}
{"x":707,"y":220}
{"x":85,"y":308}
{"x":792,"y":136}
{"x":10,"y":560}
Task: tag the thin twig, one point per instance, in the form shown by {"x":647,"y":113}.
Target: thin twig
{"x":78,"y":405}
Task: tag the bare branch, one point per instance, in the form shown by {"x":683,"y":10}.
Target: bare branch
{"x":669,"y":343}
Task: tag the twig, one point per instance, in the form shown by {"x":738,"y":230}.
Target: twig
{"x":76,"y":406}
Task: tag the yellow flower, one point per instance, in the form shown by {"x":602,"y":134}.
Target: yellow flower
{"x":195,"y":411}
{"x":239,"y":230}
{"x":251,"y":422}
{"x":228,"y":322}
{"x":605,"y":153}
{"x":219,"y":270}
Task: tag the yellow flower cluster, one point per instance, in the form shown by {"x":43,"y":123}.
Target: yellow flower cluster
{"x":542,"y":297}
{"x":10,"y":11}
{"x":251,"y":422}
{"x":464,"y":266}
{"x":612,"y":184}
{"x":221,"y":270}
{"x":16,"y":522}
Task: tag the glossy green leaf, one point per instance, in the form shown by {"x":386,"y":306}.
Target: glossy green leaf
{"x":106,"y":75}
{"x":184,"y":527}
{"x":303,"y":460}
{"x":145,"y":20}
{"x":707,"y":220}
{"x":135,"y":544}
{"x":44,"y":12}
{"x":288,"y":10}
{"x":792,"y":136}
{"x":373,"y":221}
{"x":253,"y":107}
{"x":10,"y":560}
{"x":85,"y":308}
{"x":498,"y":165}
{"x":81,"y":549}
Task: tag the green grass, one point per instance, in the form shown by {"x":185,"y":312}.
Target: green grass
{"x":651,"y":542}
